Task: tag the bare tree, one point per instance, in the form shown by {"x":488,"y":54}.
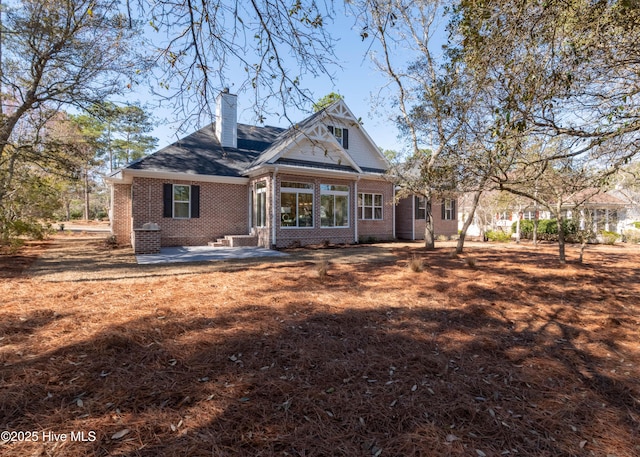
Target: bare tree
{"x":57,"y":52}
{"x":275,"y":42}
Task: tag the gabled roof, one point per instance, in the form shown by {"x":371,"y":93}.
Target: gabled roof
{"x":201,"y":153}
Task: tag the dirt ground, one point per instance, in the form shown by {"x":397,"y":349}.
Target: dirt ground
{"x":501,"y":351}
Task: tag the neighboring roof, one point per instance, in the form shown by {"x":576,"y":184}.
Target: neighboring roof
{"x":594,"y":197}
{"x":201,"y":153}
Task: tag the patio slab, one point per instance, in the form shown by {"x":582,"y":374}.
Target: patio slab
{"x":204,"y":254}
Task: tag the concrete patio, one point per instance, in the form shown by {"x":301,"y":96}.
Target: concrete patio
{"x":204,"y":254}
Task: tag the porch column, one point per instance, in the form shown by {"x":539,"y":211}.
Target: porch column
{"x":606,"y":219}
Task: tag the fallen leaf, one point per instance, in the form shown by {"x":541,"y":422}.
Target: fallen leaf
{"x":120,"y":434}
{"x":583,"y":443}
{"x":451,"y":438}
{"x":480,"y":453}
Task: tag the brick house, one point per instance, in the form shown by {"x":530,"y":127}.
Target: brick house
{"x":322,"y":180}
{"x":411,"y":217}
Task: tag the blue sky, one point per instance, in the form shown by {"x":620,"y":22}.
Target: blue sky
{"x":358,"y":81}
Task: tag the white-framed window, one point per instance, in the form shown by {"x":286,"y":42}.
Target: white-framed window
{"x":448,"y":211}
{"x":529,"y":215}
{"x":341,"y":134}
{"x":260,"y":205}
{"x":420,"y":208}
{"x":369,"y":206}
{"x":334,"y":205}
{"x":296,"y":204}
{"x":181,"y":201}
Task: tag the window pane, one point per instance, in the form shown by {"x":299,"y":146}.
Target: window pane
{"x":296,"y":185}
{"x":181,"y":210}
{"x":368,"y":213}
{"x":368,"y":199}
{"x":261,"y":210}
{"x":360,"y":199}
{"x":342,"y":211}
{"x":305,"y":210}
{"x":378,"y":200}
{"x":288,"y":209}
{"x":326,"y":210}
{"x":181,"y":193}
{"x":378,"y":213}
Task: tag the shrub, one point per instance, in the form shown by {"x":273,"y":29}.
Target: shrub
{"x":609,"y":237}
{"x":637,"y":224}
{"x":526,"y":228}
{"x":442,"y":238}
{"x":548,"y":229}
{"x":322,"y":267}
{"x":416,"y":264}
{"x":631,"y":236}
{"x":498,"y":235}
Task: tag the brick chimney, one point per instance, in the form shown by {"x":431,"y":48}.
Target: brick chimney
{"x":227,"y":119}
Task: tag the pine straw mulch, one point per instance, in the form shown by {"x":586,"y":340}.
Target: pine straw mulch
{"x":517,"y":356}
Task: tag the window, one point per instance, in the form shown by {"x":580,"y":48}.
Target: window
{"x":449,"y":209}
{"x":334,"y":205}
{"x":529,"y":215}
{"x":296,"y":204}
{"x":370,"y":206}
{"x":260,"y":205}
{"x":342,"y":135}
{"x":181,"y":201}
{"x":420,"y":208}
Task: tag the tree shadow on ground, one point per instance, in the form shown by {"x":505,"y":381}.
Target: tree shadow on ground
{"x":305,"y":382}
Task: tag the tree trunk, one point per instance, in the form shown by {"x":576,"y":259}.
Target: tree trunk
{"x":561,"y":244}
{"x":468,"y":221}
{"x":518,"y":227}
{"x":535,"y":229}
{"x":86,"y":195}
{"x":429,"y":235}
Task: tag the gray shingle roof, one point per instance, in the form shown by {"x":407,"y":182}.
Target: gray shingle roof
{"x":201,"y":153}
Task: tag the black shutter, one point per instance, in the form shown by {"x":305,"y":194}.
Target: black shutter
{"x":443,"y":204}
{"x":345,"y":138}
{"x":195,"y":201}
{"x":454,"y":215}
{"x":167,"y":194}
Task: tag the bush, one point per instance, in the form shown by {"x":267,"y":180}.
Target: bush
{"x":21,"y":228}
{"x":548,"y":229}
{"x":416,"y":264}
{"x":636,"y":225}
{"x":631,"y":236}
{"x":498,"y":235}
{"x":609,"y":237}
{"x":526,"y":229}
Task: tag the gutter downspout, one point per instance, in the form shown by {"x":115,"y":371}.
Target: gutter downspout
{"x":273,"y":205}
{"x":355,"y":219}
{"x":413,"y":217}
{"x":393,"y":214}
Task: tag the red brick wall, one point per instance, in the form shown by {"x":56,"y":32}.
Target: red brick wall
{"x":121,"y":213}
{"x":443,"y":227}
{"x":223,"y":211}
{"x":146,"y":241}
{"x":383,"y":229}
{"x":404,"y":218}
{"x":316,"y":234}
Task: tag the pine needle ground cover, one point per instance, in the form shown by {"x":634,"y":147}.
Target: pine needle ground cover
{"x":513,"y":355}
